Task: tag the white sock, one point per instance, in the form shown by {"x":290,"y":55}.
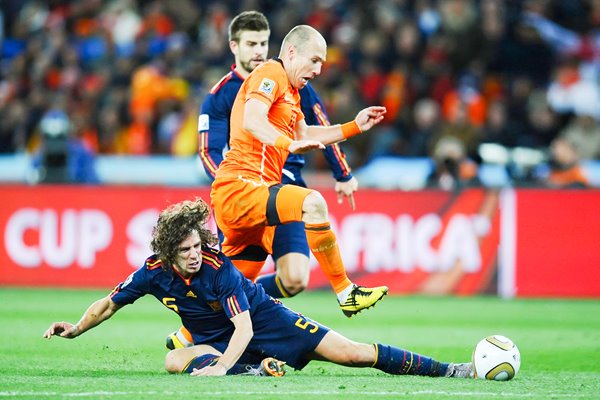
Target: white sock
{"x":343,"y":295}
{"x":183,"y":339}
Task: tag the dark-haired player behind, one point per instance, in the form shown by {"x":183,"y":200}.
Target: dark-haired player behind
{"x":236,"y":327}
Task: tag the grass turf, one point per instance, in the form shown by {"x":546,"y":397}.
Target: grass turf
{"x":559,"y":342}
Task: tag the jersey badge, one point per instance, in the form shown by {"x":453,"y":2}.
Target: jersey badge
{"x":215,"y":305}
{"x":266,"y":86}
{"x":202,"y":122}
{"x":190,"y":294}
{"x":127,"y":281}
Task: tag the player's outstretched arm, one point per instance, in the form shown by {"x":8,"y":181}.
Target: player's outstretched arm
{"x":257,"y":123}
{"x":98,"y":312}
{"x":365,"y":120}
{"x":237,"y":345}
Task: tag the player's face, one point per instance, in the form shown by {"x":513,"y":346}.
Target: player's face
{"x":307,"y":62}
{"x":252,"y":49}
{"x":189,"y":255}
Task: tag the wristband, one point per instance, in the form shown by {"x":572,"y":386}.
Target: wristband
{"x":350,"y":129}
{"x":283,"y":142}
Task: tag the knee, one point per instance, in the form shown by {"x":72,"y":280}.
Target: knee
{"x":294,"y":284}
{"x":173,"y":363}
{"x":314,"y":208}
{"x":294,"y":276}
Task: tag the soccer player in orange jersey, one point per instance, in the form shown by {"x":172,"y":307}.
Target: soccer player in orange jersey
{"x":266,"y":125}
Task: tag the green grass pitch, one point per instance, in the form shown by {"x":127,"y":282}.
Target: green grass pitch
{"x":559,"y":342}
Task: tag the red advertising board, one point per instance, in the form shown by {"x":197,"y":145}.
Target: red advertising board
{"x":78,"y":236}
{"x":522,"y":243}
{"x":558,"y":245}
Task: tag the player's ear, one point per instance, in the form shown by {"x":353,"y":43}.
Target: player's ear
{"x":292,"y":51}
{"x":233,"y":46}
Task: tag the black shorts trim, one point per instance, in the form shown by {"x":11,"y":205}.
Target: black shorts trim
{"x":272,"y":215}
{"x":251,"y":253}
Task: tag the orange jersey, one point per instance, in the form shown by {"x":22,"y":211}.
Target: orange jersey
{"x":248,"y":157}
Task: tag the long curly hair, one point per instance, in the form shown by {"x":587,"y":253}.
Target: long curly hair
{"x":175,"y":223}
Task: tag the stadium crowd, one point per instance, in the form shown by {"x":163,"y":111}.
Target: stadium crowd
{"x":128,"y":75}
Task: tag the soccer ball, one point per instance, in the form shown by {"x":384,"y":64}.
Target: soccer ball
{"x":496,"y":358}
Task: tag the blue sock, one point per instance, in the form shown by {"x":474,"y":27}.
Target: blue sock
{"x":396,"y":361}
{"x":273,"y":286}
{"x":206,"y":360}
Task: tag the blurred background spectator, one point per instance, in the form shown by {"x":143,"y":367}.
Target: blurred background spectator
{"x":62,"y":156}
{"x":130,"y":74}
{"x":564,"y":170}
{"x":453,"y":170}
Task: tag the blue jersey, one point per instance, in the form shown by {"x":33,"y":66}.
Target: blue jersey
{"x":208,"y":300}
{"x":213,"y":129}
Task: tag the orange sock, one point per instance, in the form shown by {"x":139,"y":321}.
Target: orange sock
{"x":249,"y":269}
{"x":323,"y":244}
{"x":184,"y":334}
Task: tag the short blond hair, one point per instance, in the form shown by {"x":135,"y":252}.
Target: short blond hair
{"x":299,"y":36}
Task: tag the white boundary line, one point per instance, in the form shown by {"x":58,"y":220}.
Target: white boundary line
{"x":395,"y":394}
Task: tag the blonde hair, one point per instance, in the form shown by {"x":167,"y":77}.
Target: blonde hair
{"x":299,"y":36}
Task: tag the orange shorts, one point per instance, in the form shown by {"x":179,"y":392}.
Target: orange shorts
{"x":247,"y":211}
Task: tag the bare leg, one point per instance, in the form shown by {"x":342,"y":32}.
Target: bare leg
{"x":293,"y":270}
{"x":176,"y":360}
{"x":341,"y":350}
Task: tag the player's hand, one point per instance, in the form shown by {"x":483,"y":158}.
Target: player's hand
{"x":303,"y":146}
{"x":212,"y":370}
{"x":346,"y":189}
{"x":62,"y":329}
{"x":369,"y":117}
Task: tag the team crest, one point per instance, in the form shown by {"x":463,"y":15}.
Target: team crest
{"x":266,"y":86}
{"x":215,"y":305}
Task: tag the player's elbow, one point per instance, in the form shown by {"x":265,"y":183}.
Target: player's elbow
{"x":245,"y":331}
{"x":248,"y":333}
{"x":255,"y":123}
{"x":250,"y":125}
{"x":248,"y":121}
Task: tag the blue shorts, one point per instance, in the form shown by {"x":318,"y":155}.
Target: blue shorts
{"x":281,"y":333}
{"x":290,"y":238}
{"x":291,"y":175}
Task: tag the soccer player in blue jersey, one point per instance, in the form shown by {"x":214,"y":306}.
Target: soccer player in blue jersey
{"x":235,"y":326}
{"x":248,"y":40}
